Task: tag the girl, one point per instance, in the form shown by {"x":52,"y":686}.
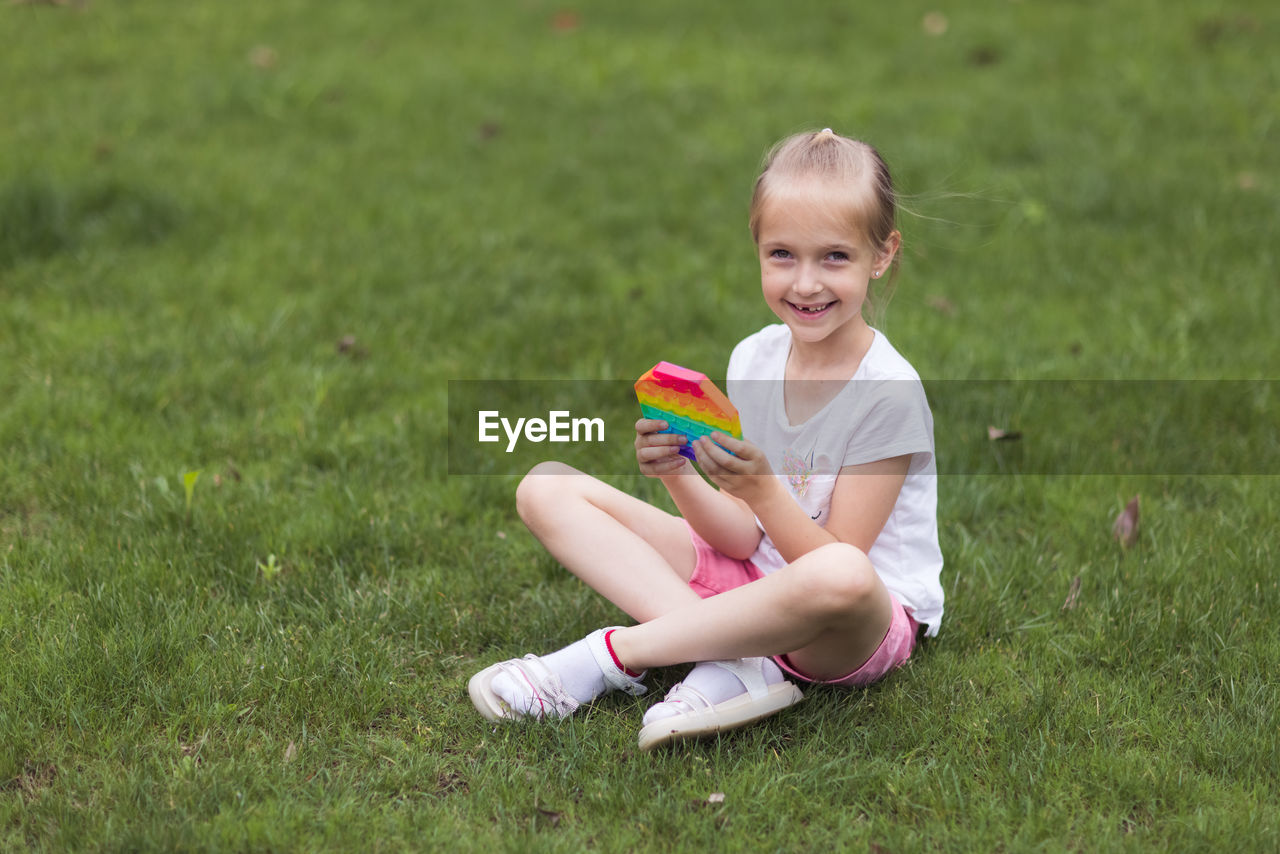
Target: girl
{"x":816,"y":559}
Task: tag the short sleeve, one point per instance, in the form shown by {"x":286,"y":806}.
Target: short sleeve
{"x":893,"y":420}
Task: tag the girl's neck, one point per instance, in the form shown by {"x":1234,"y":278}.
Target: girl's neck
{"x":833,"y":358}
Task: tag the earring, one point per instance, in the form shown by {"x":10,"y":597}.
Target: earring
{"x":877,"y":274}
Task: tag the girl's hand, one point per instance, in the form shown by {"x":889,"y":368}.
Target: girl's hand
{"x":744,"y":474}
{"x":656,"y":452}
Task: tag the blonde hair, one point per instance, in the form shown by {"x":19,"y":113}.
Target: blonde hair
{"x":854,"y":178}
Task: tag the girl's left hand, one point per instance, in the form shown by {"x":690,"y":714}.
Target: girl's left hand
{"x":745,"y":473}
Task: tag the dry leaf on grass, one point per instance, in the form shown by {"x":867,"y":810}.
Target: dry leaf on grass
{"x":348,"y":346}
{"x":942,"y":305}
{"x":263,"y":56}
{"x":1125,"y":528}
{"x":565,"y":21}
{"x":935,"y":23}
{"x":1073,"y":593}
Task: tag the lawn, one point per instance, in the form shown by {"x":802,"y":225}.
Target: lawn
{"x":248,"y":249}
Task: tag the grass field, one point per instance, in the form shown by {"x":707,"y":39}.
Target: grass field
{"x":257,"y":240}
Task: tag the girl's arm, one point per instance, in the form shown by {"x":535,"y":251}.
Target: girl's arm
{"x":724,"y":521}
{"x":861,"y":502}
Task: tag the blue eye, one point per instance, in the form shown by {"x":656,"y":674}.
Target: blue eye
{"x":779,"y":253}
{"x":838,"y":256}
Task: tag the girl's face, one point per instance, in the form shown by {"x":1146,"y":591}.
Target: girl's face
{"x":815,"y":270}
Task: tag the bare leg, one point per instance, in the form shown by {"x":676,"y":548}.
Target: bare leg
{"x":828,"y":611}
{"x":637,"y":556}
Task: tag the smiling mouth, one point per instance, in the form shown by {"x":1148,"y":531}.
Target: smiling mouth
{"x":812,"y":309}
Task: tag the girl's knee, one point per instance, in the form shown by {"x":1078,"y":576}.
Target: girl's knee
{"x":839,"y":578}
{"x":550,"y":467}
{"x":546,"y":484}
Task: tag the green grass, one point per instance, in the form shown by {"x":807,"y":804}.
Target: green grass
{"x":199,"y":201}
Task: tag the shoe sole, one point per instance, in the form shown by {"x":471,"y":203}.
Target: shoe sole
{"x":730,"y":714}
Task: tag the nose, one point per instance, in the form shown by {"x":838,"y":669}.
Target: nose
{"x":806,"y":283}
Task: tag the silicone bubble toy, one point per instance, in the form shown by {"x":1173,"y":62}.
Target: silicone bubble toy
{"x":689,"y":403}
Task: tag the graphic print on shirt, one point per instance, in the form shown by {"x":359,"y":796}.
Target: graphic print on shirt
{"x":798,"y":471}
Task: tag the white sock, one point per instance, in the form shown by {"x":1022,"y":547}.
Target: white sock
{"x":579,"y":670}
{"x":715,"y":683}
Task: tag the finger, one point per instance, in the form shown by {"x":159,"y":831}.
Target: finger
{"x":653,"y":453}
{"x":651,"y":425}
{"x":719,"y":456}
{"x":737,"y":447}
{"x":712,"y":459}
{"x":660,"y":444}
{"x":667,"y":465}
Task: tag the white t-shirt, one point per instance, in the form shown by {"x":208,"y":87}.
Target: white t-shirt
{"x":881,"y":412}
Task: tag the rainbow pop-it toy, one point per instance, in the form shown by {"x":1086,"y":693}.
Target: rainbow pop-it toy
{"x":688,"y":401}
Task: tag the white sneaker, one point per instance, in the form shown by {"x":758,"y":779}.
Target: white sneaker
{"x":539,"y":692}
{"x":547,"y":697}
{"x":688,"y":712}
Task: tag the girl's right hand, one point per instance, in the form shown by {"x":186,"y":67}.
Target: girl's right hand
{"x":656,"y":452}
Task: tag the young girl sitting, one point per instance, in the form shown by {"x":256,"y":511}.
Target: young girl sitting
{"x":816,"y":559}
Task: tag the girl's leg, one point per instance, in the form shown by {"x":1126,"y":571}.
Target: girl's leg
{"x":828,"y":611}
{"x":635,"y":555}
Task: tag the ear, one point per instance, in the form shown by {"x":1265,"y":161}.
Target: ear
{"x":888,"y":251}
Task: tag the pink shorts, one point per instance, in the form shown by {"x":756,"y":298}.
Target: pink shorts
{"x":716,"y":573}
